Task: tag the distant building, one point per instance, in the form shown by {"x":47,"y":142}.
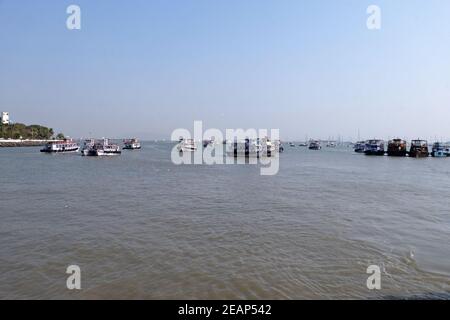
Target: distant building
{"x":5,"y":117}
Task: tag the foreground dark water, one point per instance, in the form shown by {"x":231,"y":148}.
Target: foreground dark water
{"x":140,"y":227}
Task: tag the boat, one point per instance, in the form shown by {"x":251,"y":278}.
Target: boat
{"x":88,"y":144}
{"x":186,"y":145}
{"x":269,"y":147}
{"x":254,"y":148}
{"x":102,"y":148}
{"x":314,"y":145}
{"x":397,"y":148}
{"x":291,"y":144}
{"x":374,"y":147}
{"x":131,"y":144}
{"x":208,"y":142}
{"x":303,"y":144}
{"x":419,"y":149}
{"x":331,"y":144}
{"x":63,"y":146}
{"x":360,"y":146}
{"x":440,"y":150}
{"x":279,"y":146}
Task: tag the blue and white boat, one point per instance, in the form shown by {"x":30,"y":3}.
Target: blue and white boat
{"x":360,"y":146}
{"x":440,"y":150}
{"x":374,"y":148}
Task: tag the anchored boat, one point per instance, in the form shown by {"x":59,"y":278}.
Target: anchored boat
{"x":314,"y":145}
{"x":397,"y":148}
{"x":360,"y":146}
{"x":253,"y":148}
{"x":131,"y":144}
{"x":208,"y":142}
{"x":187,"y":145}
{"x":88,"y":144}
{"x":440,"y":150}
{"x":103,"y":148}
{"x":374,"y":147}
{"x":64,"y":146}
{"x":419,"y":149}
{"x":303,"y":144}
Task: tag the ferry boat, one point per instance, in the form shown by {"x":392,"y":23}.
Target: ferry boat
{"x":360,"y":146}
{"x":103,"y":148}
{"x":88,"y":144}
{"x":374,"y":147}
{"x":397,"y":148}
{"x":279,"y":146}
{"x":131,"y":144}
{"x":419,"y":149}
{"x":64,"y":146}
{"x":314,"y":145}
{"x":207,"y":143}
{"x":254,"y":148}
{"x":187,"y":145}
{"x":440,"y":150}
{"x":269,"y":147}
{"x":303,"y":144}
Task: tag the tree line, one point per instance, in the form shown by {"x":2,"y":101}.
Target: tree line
{"x":22,"y":131}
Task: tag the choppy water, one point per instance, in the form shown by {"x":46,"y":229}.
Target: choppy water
{"x":141,"y":227}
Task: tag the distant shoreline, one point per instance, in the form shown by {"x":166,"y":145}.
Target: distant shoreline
{"x":15,"y":143}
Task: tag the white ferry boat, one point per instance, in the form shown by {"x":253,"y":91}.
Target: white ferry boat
{"x":187,"y":145}
{"x":64,"y":146}
{"x":88,"y":145}
{"x":315,"y":145}
{"x":103,"y":148}
{"x":253,"y":148}
{"x":131,"y":144}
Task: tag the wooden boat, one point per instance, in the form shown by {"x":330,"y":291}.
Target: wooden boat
{"x":419,"y":149}
{"x":397,"y":148}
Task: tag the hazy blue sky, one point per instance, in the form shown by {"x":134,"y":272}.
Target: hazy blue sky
{"x":144,"y":68}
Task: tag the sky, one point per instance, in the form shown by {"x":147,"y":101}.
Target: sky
{"x":308,"y":68}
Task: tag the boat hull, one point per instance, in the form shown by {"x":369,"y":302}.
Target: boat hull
{"x":61,"y":151}
{"x":132,"y":148}
{"x":397,"y":153}
{"x":440,"y":154}
{"x":374,"y":152}
{"x":418,"y":155}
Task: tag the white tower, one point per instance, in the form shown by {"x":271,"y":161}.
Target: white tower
{"x":5,"y":117}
